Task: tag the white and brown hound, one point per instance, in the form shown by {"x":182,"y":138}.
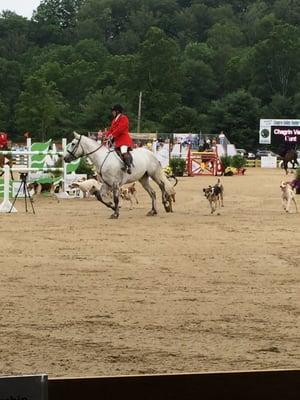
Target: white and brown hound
{"x":127,"y":193}
{"x":287,"y":196}
{"x":214,"y":195}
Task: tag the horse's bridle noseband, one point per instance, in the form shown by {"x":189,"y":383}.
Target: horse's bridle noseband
{"x":72,"y":153}
{"x":74,"y":157}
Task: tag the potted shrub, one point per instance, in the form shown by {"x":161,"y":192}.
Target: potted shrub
{"x":178,"y":166}
{"x":226,"y":161}
{"x":238,"y":161}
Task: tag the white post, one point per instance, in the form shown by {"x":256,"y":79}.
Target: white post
{"x":139,"y":113}
{"x":64,"y":164}
{"x":28,"y":145}
{"x":63,"y":194}
{"x":6,"y":205}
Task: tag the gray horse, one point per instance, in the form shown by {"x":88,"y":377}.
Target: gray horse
{"x":109,"y":164}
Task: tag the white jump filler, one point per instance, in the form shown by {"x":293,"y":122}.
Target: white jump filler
{"x":6,"y":205}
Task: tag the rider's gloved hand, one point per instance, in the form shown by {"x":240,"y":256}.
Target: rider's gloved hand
{"x":109,"y":139}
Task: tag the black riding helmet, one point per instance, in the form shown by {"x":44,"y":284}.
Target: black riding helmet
{"x":118,"y":108}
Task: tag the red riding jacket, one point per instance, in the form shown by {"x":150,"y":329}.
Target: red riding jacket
{"x":119,"y":129}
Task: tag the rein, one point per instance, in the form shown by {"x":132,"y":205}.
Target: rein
{"x":84,"y":155}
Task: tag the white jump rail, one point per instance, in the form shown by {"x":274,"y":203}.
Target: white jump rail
{"x":29,"y":153}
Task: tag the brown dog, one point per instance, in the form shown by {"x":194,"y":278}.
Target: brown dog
{"x":214,"y":195}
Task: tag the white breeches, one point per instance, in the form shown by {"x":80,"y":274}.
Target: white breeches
{"x":123,"y":149}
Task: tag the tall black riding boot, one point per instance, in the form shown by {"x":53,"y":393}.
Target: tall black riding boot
{"x":127,"y":161}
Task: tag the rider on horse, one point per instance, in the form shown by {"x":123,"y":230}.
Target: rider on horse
{"x":119,"y":131}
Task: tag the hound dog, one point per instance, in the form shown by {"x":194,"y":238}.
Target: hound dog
{"x":214,"y":195}
{"x":39,"y":188}
{"x":127,"y":193}
{"x":88,"y":186}
{"x":287,"y":196}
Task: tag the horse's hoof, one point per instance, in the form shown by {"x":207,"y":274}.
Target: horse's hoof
{"x":114,"y":216}
{"x":151,"y":213}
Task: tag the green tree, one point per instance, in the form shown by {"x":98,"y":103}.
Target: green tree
{"x":158,"y":74}
{"x":193,"y":23}
{"x":279,"y":105}
{"x":14,"y":35}
{"x":199,"y":79}
{"x":40,"y":109}
{"x":237,"y":114}
{"x":296,"y":104}
{"x":55,"y":21}
{"x":95,"y":109}
{"x":238,"y":70}
{"x":181,"y":119}
{"x":4,"y":116}
{"x":274,"y":66}
{"x":288,"y":11}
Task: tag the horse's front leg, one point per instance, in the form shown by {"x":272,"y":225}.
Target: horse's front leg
{"x":116,"y":195}
{"x":101,"y":194}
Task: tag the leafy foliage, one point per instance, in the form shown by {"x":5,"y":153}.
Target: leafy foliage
{"x":237,"y":161}
{"x":226,"y":161}
{"x":85,"y":168}
{"x":177,"y":165}
{"x":206,"y":66}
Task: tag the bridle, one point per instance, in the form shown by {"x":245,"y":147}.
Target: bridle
{"x":73,"y":155}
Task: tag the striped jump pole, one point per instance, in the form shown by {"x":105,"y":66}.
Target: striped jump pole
{"x":16,"y":152}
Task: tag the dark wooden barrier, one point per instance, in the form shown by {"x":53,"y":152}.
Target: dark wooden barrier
{"x":244,"y":385}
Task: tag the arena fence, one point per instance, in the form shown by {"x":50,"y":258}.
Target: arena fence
{"x":253,"y":163}
{"x":257,"y":163}
{"x":241,"y":385}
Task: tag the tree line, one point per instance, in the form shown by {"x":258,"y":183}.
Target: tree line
{"x":201,"y":65}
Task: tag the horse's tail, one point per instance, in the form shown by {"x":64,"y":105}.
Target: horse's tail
{"x":169,"y":188}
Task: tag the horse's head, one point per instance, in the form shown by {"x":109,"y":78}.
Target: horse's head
{"x":74,"y":149}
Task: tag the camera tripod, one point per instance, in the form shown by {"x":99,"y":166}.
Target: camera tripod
{"x":23,"y":185}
